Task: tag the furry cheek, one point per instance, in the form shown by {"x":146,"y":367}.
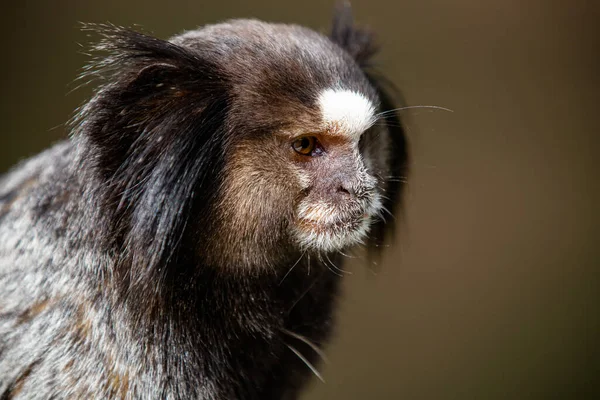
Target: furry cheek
{"x":255,"y":210}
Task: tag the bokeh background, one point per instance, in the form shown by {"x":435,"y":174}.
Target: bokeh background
{"x":491,"y":289}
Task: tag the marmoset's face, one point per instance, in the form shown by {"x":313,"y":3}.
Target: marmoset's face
{"x":314,"y":186}
{"x":338,"y":178}
{"x":307,"y":156}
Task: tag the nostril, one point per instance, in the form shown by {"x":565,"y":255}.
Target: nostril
{"x":346,"y":190}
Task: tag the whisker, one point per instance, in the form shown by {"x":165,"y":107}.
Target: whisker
{"x":308,"y":364}
{"x":304,"y":293}
{"x":388,"y":211}
{"x":336,"y":267}
{"x":397,"y":180}
{"x":85,"y":83}
{"x":412,"y":107}
{"x":383,"y":196}
{"x":292,"y":267}
{"x":380,"y":216}
{"x":388,"y":124}
{"x":328,"y":267}
{"x":333,"y":271}
{"x":344,"y":254}
{"x":306,"y":341}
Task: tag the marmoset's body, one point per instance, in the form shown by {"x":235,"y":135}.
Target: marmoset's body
{"x":180,"y":244}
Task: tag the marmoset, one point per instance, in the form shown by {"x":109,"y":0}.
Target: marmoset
{"x":183,"y":242}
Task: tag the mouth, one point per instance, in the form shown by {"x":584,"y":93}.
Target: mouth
{"x":342,"y":223}
{"x":326,"y":229}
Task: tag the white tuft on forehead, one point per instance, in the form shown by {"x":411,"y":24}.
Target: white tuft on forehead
{"x":347,"y":110}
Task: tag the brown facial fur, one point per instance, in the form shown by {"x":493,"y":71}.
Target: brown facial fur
{"x":266,"y":182}
{"x":255,"y":210}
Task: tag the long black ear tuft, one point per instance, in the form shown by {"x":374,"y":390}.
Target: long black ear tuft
{"x":358,"y":42}
{"x":141,"y":81}
{"x":153,"y":139}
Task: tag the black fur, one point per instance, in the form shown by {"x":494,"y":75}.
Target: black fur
{"x":105,"y":293}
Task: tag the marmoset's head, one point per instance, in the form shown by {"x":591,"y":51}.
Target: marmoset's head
{"x":245,"y":143}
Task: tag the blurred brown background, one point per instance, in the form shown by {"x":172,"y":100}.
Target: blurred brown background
{"x":492,"y":290}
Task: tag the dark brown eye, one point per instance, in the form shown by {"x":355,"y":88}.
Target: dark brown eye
{"x":305,"y":145}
